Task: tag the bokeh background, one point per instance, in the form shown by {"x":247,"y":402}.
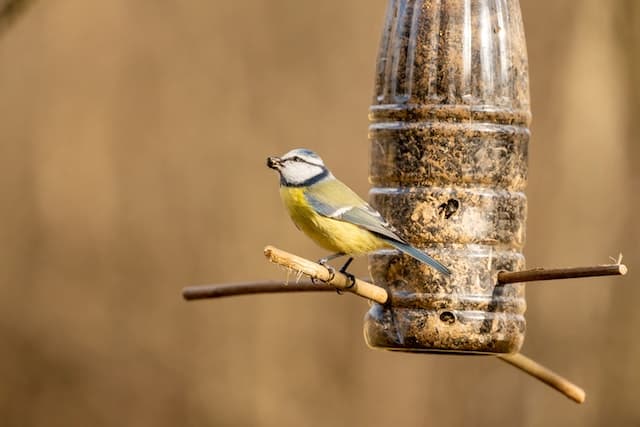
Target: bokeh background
{"x":133,"y":136}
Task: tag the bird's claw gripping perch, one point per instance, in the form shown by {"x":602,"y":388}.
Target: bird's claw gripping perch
{"x":352,"y":280}
{"x":332,"y":271}
{"x":351,"y":277}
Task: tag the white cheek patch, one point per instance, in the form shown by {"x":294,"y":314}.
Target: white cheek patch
{"x":298,"y":172}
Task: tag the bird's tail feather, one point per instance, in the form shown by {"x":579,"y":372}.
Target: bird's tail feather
{"x":419,"y":255}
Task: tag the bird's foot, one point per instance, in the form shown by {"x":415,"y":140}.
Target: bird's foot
{"x":352,"y":280}
{"x":332,"y":271}
{"x":351,"y":277}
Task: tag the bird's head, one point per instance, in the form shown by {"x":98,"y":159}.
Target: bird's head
{"x":299,"y":168}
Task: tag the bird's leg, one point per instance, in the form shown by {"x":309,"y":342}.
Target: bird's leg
{"x":323,"y":262}
{"x":351,"y":277}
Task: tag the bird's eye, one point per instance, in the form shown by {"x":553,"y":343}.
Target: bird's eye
{"x":297,"y":159}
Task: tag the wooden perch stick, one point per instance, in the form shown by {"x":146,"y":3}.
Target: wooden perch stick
{"x":545,"y":375}
{"x":250,"y":288}
{"x":536,"y":274}
{"x":277,"y":286}
{"x":319,"y":272}
{"x":380,"y":295}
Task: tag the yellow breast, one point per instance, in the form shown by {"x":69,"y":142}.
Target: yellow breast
{"x":333,"y":235}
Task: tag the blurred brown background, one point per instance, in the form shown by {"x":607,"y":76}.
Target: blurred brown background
{"x":133,"y":136}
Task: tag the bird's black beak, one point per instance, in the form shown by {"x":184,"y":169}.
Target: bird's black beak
{"x":274,"y":162}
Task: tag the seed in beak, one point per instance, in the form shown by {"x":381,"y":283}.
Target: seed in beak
{"x":273,"y":162}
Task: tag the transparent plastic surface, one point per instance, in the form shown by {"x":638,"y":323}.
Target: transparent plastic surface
{"x":449,"y":135}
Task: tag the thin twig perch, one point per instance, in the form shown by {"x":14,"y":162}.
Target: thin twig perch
{"x":545,"y":375}
{"x":380,"y":295}
{"x":305,"y":285}
{"x":537,"y":274}
{"x":251,"y":288}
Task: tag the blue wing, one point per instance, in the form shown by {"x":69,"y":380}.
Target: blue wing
{"x":335,"y":200}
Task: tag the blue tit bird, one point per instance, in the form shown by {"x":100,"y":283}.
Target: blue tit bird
{"x":334,"y":216}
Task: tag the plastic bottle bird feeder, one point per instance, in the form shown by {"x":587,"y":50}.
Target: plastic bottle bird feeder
{"x":449,"y":134}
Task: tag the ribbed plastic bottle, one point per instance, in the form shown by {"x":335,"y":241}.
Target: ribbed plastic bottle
{"x":449,"y":135}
